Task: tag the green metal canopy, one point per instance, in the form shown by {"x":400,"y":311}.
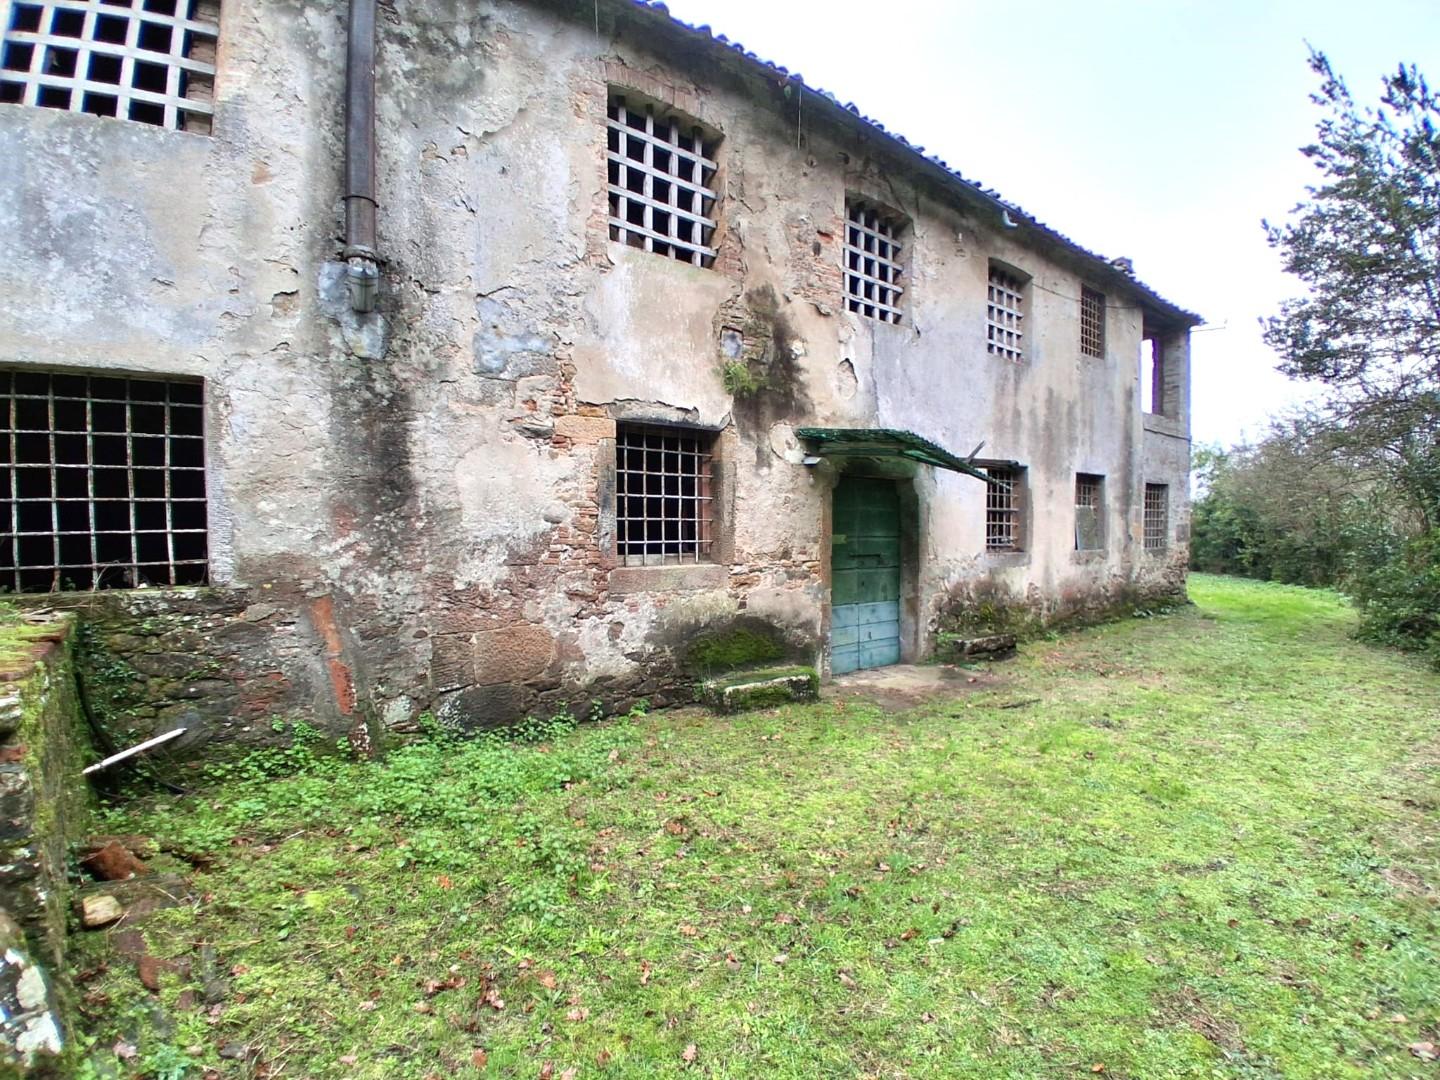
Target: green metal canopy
{"x":884,"y":442}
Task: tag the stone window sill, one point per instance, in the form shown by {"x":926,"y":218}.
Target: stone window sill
{"x":1090,"y":555}
{"x":693,"y":577}
{"x":1007,"y":558}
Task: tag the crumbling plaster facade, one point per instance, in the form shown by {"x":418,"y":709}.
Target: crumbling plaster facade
{"x":415,"y":500}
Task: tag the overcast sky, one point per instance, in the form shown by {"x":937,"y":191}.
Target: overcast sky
{"x":1162,"y":130}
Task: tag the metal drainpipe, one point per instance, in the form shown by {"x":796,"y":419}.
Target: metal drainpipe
{"x":362,"y":274}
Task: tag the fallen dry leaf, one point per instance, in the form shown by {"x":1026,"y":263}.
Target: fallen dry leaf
{"x":1425,"y":1051}
{"x":689,"y":1054}
{"x":576,"y":1015}
{"x":847,"y":982}
{"x":645,"y":970}
{"x":546,"y":979}
{"x":603,"y":1058}
{"x":443,"y":880}
{"x":547,"y":1070}
{"x":780,"y":958}
{"x":479,"y":1059}
{"x":688,"y":930}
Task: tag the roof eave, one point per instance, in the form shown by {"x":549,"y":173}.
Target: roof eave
{"x":1099,"y":268}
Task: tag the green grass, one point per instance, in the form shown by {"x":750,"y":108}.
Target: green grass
{"x":1202,"y":852}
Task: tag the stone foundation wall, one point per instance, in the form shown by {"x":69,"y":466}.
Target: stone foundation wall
{"x":220,"y":662}
{"x":44,"y":803}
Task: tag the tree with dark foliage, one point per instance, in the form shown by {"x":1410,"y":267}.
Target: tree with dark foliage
{"x":1348,"y":493}
{"x":1366,"y":243}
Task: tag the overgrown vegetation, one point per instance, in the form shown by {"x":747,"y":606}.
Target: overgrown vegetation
{"x":1197,"y":845}
{"x":1348,"y":494}
{"x":740,"y":380}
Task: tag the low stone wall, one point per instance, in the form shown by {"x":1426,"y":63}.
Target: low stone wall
{"x":44,"y":802}
{"x":216,"y":661}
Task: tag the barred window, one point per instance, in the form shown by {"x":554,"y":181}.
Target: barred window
{"x":1157,"y":517}
{"x":1089,"y":510}
{"x":661,"y":172}
{"x":872,"y":261}
{"x":1005,"y":315}
{"x":102,"y":484}
{"x":663,"y":499}
{"x":1002,"y":509}
{"x":151,"y":61}
{"x":1092,"y":322}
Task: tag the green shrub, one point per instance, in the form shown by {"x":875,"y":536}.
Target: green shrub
{"x":1397,"y":587}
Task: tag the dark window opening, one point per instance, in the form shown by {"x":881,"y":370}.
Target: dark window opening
{"x":1089,"y":512}
{"x":111,"y":29}
{"x":105,"y":69}
{"x":663,"y":497}
{"x":102,"y":483}
{"x":1152,"y":374}
{"x":18,"y":55}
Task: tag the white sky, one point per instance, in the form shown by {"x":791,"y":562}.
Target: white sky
{"x":1162,"y":130}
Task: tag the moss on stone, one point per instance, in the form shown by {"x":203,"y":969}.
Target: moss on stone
{"x":734,"y":648}
{"x":762,"y":689}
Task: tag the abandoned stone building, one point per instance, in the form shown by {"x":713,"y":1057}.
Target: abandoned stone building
{"x":488,"y":356}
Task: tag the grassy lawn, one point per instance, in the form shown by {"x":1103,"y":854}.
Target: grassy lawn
{"x":1208,"y":849}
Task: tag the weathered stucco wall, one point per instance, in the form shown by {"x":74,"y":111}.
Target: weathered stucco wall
{"x":417,"y":496}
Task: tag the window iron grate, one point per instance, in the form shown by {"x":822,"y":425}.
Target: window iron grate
{"x":1092,"y":322}
{"x":1005,"y":315}
{"x":150,"y":61}
{"x":1157,"y":517}
{"x":660,"y":172}
{"x":102,"y":483}
{"x":1002,"y":509}
{"x":663,"y":498}
{"x":872,"y":262}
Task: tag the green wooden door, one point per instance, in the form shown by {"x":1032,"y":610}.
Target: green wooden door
{"x":865,"y":575}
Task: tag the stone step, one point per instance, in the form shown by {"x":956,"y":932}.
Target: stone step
{"x":761,"y":689}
